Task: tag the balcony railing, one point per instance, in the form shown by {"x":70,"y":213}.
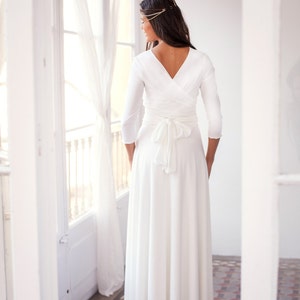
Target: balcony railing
{"x":79,"y":156}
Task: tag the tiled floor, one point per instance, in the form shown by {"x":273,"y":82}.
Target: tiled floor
{"x":117,"y":296}
{"x":227,"y":280}
{"x":289,"y":279}
{"x":227,"y":274}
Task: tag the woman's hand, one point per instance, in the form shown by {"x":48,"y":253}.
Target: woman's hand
{"x":210,"y":154}
{"x":209,"y":163}
{"x":130,"y":151}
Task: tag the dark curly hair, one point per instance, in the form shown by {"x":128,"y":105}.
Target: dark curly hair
{"x":169,"y":25}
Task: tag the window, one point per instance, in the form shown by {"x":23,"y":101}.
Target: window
{"x":79,"y":112}
{"x":125,"y":52}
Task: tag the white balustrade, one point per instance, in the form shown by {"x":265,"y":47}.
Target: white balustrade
{"x":79,"y":160}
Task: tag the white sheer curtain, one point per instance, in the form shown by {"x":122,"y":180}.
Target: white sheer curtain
{"x":99,"y":53}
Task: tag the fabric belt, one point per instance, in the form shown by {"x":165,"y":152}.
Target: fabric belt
{"x":168,"y":129}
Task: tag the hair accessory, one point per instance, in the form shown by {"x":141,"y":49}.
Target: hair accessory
{"x":154,"y":15}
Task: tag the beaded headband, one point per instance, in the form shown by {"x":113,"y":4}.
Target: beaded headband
{"x":154,"y":15}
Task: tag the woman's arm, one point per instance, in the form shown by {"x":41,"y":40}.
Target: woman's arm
{"x":213,"y":110}
{"x":210,"y":154}
{"x":133,"y":105}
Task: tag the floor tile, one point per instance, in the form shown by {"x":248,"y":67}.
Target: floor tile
{"x":227,"y":270}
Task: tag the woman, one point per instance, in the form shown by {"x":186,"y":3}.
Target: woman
{"x":168,"y":237}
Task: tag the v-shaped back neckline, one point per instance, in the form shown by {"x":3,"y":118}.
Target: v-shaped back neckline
{"x":165,"y":70}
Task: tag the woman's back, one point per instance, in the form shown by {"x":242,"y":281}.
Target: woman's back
{"x":171,"y":58}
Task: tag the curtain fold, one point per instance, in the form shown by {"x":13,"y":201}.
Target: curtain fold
{"x":98,"y":50}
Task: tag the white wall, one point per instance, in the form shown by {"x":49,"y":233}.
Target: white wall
{"x":215,"y":28}
{"x":32,"y":157}
{"x":260,"y":99}
{"x":21,"y":116}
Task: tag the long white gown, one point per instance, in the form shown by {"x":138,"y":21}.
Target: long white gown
{"x":168,"y":237}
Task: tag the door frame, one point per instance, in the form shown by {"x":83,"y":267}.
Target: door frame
{"x":77,"y":277}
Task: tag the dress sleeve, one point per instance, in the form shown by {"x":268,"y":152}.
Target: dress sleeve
{"x":211,"y":101}
{"x":130,"y":121}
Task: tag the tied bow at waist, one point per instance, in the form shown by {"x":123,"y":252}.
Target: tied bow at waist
{"x":166,"y":133}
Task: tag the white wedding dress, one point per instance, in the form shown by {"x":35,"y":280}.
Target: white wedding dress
{"x":168,"y":254}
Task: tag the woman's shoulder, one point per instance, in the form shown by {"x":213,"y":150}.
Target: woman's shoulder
{"x":143,"y":55}
{"x":142,"y":59}
{"x":201,"y":58}
{"x":141,"y":63}
{"x":198,"y":54}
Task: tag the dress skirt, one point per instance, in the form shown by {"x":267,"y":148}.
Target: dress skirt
{"x":168,"y":237}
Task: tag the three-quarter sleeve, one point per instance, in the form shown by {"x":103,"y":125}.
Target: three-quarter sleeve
{"x":211,"y":101}
{"x":130,"y":121}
